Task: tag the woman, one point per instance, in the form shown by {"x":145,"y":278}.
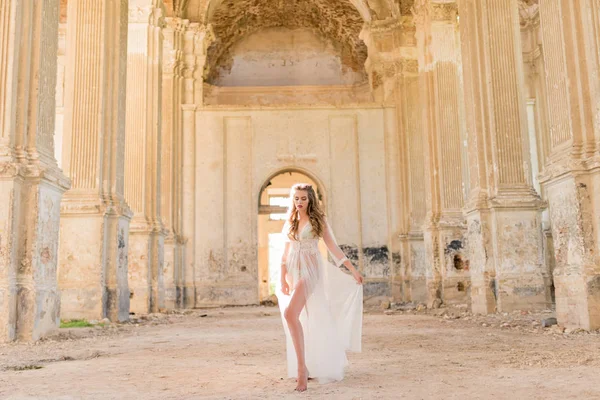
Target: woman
{"x":321,"y":305}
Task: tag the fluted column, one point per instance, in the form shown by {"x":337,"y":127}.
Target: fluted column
{"x":423,"y":17}
{"x":439,"y":57}
{"x":94,"y":227}
{"x":503,"y":210}
{"x":537,"y":117}
{"x":143,"y":145}
{"x":571,"y":177}
{"x":170,"y":157}
{"x":31,"y":185}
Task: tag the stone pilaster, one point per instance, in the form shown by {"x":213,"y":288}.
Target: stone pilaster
{"x":171,"y":172}
{"x":94,"y":226}
{"x":143,"y":156}
{"x":196,"y":41}
{"x":60,"y":92}
{"x":537,"y":117}
{"x":385,"y":66}
{"x":503,"y":210}
{"x":571,"y":175}
{"x":31,"y":184}
{"x":439,"y":56}
{"x":412,"y":246}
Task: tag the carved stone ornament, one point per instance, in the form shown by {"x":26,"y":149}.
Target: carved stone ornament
{"x":529,"y":13}
{"x":140,"y":14}
{"x":444,"y":11}
{"x":148,"y":14}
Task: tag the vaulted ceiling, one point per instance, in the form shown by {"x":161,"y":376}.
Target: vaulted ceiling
{"x":338,"y":21}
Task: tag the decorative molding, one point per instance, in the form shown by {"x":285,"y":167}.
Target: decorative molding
{"x":147,"y":15}
{"x":426,"y":11}
{"x":140,"y":14}
{"x":529,"y":13}
{"x":444,"y":11}
{"x":421,"y":11}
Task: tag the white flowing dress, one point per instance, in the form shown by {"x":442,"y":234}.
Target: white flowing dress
{"x":332,"y":317}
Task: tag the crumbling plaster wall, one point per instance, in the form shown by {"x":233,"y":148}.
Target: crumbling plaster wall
{"x":286,"y":57}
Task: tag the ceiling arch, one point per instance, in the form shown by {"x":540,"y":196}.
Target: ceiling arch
{"x":337,"y":21}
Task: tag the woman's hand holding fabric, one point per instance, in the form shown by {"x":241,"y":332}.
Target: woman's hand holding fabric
{"x":285,"y":288}
{"x":358,"y":277}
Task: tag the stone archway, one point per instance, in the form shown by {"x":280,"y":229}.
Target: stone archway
{"x":272,"y":209}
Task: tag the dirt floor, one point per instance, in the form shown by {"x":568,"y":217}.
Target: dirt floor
{"x":238,"y":353}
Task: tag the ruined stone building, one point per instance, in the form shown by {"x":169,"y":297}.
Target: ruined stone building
{"x":146,"y":148}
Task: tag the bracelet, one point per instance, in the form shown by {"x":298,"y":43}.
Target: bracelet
{"x":342,"y":261}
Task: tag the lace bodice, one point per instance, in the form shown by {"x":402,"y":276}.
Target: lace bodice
{"x":308,"y":241}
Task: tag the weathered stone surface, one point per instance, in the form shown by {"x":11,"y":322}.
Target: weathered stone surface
{"x":31,"y":185}
{"x":336,"y":20}
{"x":94,"y":216}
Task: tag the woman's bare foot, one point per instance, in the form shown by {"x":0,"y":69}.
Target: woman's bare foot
{"x":302,"y":381}
{"x":307,"y":374}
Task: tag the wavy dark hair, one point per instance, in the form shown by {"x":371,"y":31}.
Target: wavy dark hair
{"x":316,"y":216}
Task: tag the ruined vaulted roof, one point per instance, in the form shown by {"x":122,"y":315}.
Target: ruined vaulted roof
{"x":338,"y":21}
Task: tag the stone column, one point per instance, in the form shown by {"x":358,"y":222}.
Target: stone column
{"x":422,"y":15}
{"x":571,"y":177}
{"x":439,"y":57}
{"x":412,"y":274}
{"x":143,"y":156}
{"x":94,"y":228}
{"x":385,"y":67}
{"x":537,"y":117}
{"x":196,"y":41}
{"x":170,"y":157}
{"x":60,"y":92}
{"x":503,"y":210}
{"x":31,"y":184}
{"x":412,"y":246}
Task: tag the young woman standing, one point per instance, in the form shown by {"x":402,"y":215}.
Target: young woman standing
{"x":321,"y":305}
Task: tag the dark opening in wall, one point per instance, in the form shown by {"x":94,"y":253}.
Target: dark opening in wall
{"x":458,"y":263}
{"x":460,"y":287}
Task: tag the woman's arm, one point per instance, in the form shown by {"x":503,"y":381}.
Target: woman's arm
{"x":338,"y":254}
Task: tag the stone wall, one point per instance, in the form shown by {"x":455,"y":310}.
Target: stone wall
{"x":237,"y":150}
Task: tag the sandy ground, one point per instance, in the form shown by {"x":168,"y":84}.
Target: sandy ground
{"x":238,"y":353}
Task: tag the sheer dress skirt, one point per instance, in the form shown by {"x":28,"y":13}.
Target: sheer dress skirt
{"x":332,"y":317}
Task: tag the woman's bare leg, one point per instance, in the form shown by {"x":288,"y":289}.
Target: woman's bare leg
{"x":292,"y":316}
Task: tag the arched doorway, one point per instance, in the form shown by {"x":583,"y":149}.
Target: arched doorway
{"x":272,"y":211}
